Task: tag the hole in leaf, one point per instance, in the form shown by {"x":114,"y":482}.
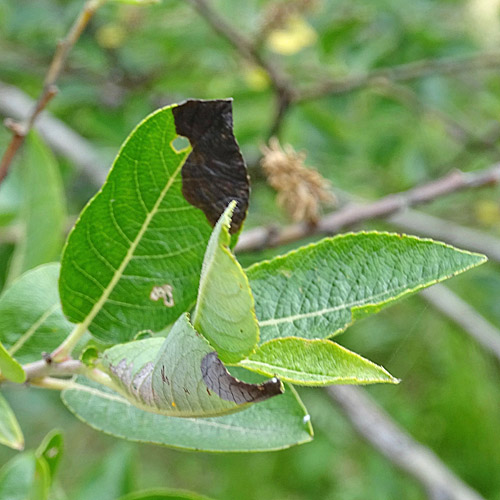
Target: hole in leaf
{"x":180,"y":143}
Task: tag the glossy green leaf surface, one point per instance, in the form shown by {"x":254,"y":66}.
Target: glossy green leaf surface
{"x":274,"y":424}
{"x":31,"y":320}
{"x":43,"y":210}
{"x":133,"y":260}
{"x":10,"y":432}
{"x":314,"y":362}
{"x":10,"y":368}
{"x":225,"y":312}
{"x":319,"y":290}
{"x":165,"y":375}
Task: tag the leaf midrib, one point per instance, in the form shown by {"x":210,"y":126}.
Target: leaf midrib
{"x":128,"y":256}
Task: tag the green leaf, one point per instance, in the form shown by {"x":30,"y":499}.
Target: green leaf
{"x":25,"y":477}
{"x":166,"y":376}
{"x":133,"y":259}
{"x":10,"y":432}
{"x":43,"y":209}
{"x":225,"y":312}
{"x":50,"y":450}
{"x":163,"y":494}
{"x":317,"y":291}
{"x":31,"y":320}
{"x":111,"y":477}
{"x":10,"y":368}
{"x":132,"y":262}
{"x":314,"y":362}
{"x":271,"y":425}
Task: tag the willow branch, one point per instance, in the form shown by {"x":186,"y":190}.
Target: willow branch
{"x":401,"y":73}
{"x":372,"y":423}
{"x":49,"y":89}
{"x":283,"y":88}
{"x":458,"y":132}
{"x":49,"y":369}
{"x":354,"y":213}
{"x":60,"y":138}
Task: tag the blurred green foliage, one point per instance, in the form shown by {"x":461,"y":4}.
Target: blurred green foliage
{"x":369,"y":142}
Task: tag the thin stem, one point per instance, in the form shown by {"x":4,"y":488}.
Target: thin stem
{"x":385,"y":435}
{"x":401,"y":73}
{"x":283,"y":88}
{"x":64,"y":351}
{"x":57,"y":384}
{"x":48,"y":367}
{"x":49,"y":89}
{"x":354,"y":213}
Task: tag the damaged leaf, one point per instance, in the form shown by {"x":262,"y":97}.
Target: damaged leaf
{"x":215,"y":172}
{"x":174,"y":376}
{"x":133,"y":260}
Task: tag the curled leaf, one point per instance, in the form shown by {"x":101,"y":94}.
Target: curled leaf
{"x":167,"y":376}
{"x":225,"y":311}
{"x":229,"y":388}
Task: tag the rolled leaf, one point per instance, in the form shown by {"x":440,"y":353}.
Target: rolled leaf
{"x":179,"y":376}
{"x":225,"y":312}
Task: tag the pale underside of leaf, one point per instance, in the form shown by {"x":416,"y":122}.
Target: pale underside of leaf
{"x":170,"y":376}
{"x":319,"y":290}
{"x":272,"y":425}
{"x":225,"y":312}
{"x":314,"y":362}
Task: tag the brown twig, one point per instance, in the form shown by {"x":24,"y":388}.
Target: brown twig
{"x":262,"y":237}
{"x":49,"y":89}
{"x":61,"y":138}
{"x":282,"y":86}
{"x":458,"y":132}
{"x":372,"y":423}
{"x":401,"y":73}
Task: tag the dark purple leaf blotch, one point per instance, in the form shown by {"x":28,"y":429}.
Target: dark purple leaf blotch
{"x":215,"y":172}
{"x":220,"y":381}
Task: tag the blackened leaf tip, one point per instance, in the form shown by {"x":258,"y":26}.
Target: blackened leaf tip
{"x":229,"y":388}
{"x":215,"y":172}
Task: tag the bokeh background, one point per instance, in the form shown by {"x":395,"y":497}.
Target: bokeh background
{"x":381,"y":138}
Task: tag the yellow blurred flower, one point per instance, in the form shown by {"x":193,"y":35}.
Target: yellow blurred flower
{"x":487,"y":212}
{"x":256,"y":78}
{"x":111,"y":36}
{"x":293,"y":37}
